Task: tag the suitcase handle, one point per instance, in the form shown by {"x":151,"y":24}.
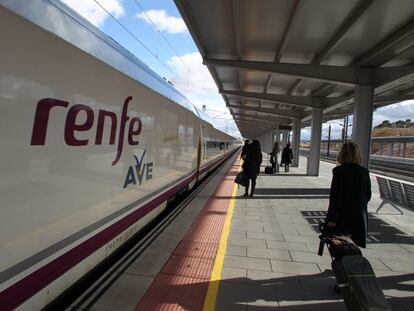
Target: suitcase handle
{"x":321,"y":246}
{"x":322,"y":240}
{"x":343,"y":285}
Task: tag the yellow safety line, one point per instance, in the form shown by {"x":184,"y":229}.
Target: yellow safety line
{"x":213,"y":286}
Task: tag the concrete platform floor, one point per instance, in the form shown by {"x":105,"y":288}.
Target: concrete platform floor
{"x":272,"y":263}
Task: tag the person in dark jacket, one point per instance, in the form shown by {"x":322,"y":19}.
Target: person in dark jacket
{"x":244,"y":149}
{"x":287,"y":157}
{"x":349,"y":196}
{"x":251,"y":165}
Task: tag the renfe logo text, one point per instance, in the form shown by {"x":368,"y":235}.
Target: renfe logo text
{"x":72,"y":125}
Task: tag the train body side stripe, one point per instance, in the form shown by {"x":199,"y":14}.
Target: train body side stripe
{"x":16,"y":294}
{"x":43,"y":254}
{"x":25,"y":288}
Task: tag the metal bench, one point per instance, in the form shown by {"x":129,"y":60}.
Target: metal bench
{"x":409,"y":195}
{"x":391,"y":192}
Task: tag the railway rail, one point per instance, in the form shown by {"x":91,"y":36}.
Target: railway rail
{"x":87,"y":291}
{"x":401,"y":168}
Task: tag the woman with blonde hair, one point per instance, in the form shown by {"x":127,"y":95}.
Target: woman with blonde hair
{"x":349,"y":195}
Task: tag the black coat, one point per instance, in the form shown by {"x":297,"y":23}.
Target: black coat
{"x":287,"y":155}
{"x":244,"y":150}
{"x":349,"y":196}
{"x":252,"y":162}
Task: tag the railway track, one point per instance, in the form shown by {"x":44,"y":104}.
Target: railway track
{"x":87,"y":291}
{"x":400,"y":168}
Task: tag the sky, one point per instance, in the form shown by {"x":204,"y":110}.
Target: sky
{"x":154,"y":32}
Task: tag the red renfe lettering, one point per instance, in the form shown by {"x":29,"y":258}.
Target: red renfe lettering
{"x":42,"y":119}
{"x":72,"y":125}
{"x":132,"y":132}
{"x":100,"y":127}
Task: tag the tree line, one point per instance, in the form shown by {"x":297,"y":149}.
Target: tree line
{"x":397,"y":124}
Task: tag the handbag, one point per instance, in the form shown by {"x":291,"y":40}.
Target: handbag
{"x":241,"y":179}
{"x":339,"y":245}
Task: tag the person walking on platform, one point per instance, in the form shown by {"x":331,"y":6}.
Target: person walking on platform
{"x":287,"y":157}
{"x":349,"y":195}
{"x":273,"y":156}
{"x":244,"y":149}
{"x":251,"y":166}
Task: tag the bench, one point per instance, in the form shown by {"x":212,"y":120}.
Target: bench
{"x":409,"y":195}
{"x":395,"y":193}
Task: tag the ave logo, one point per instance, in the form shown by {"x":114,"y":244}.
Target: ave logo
{"x":138,"y":171}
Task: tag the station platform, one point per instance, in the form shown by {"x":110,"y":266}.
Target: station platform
{"x":226,"y":252}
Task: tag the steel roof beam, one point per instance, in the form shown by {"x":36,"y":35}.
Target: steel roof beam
{"x":255,"y":125}
{"x":349,"y":110}
{"x":385,"y":75}
{"x":264,"y":120}
{"x":236,"y":25}
{"x":267,"y":84}
{"x":332,"y":74}
{"x":326,"y":118}
{"x":331,"y":115}
{"x":395,"y":38}
{"x":347,"y":25}
{"x":285,"y":38}
{"x":252,"y":129}
{"x":254,"y":120}
{"x":300,"y":101}
{"x":325,"y":89}
{"x":402,"y":33}
{"x":293,"y":15}
{"x":391,"y":99}
{"x":255,"y":133}
{"x":288,"y":113}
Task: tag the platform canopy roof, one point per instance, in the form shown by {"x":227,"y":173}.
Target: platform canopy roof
{"x":273,"y":60}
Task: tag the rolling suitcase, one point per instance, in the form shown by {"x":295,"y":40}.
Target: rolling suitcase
{"x":358,"y":284}
{"x":269,"y":169}
{"x":354,"y":275}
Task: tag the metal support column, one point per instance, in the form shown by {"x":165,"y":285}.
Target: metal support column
{"x":284,"y":138}
{"x":315,"y":147}
{"x":296,"y":142}
{"x":277,"y":135}
{"x":260,"y":139}
{"x":268,"y":142}
{"x":363,"y":109}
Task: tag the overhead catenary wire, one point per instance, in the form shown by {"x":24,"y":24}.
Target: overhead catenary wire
{"x":146,"y":48}
{"x":169,"y":44}
{"x":159,"y":32}
{"x":155,"y":55}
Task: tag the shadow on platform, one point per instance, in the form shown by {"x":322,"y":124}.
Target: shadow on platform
{"x":267,"y":197}
{"x":284,"y":193}
{"x":291,"y":191}
{"x":284,"y":174}
{"x":294,"y":293}
{"x":378,"y":230}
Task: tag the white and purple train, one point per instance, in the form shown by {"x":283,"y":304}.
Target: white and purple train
{"x":93,"y":145}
